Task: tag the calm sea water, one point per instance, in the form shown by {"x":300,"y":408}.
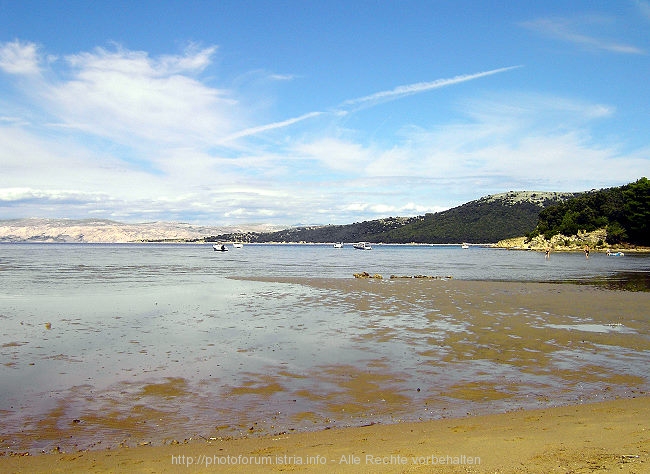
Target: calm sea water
{"x":39,"y":267}
{"x":87,"y":331}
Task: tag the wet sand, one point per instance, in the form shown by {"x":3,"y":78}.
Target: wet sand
{"x":609,"y":436}
{"x":483,"y":358}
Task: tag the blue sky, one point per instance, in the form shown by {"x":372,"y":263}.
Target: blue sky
{"x":314,"y":112}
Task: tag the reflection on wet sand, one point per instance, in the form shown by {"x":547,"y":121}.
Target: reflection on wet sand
{"x":321,"y":353}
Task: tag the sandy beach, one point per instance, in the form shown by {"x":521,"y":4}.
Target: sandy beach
{"x":504,"y":377}
{"x":611,"y":436}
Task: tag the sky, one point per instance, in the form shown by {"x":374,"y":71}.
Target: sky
{"x":306,"y":112}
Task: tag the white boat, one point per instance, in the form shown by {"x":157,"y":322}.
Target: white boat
{"x":363,"y":246}
{"x":237,"y":245}
{"x":338,"y":245}
{"x":219,"y":248}
{"x":464,"y":246}
{"x":615,"y":254}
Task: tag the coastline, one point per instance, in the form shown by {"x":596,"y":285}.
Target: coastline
{"x":603,"y":436}
{"x":560,"y":243}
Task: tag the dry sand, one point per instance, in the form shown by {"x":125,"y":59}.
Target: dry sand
{"x":599,"y":437}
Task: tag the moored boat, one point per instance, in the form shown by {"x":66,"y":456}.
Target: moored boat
{"x":219,"y":248}
{"x":363,"y":246}
{"x":615,"y":254}
{"x":338,"y":245}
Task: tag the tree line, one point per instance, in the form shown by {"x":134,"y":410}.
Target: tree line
{"x":624,"y":211}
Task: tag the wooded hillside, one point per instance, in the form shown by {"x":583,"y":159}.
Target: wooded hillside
{"x":485,"y":220}
{"x":624,"y":211}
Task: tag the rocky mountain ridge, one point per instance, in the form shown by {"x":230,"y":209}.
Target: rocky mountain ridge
{"x":108,"y":231}
{"x":540,"y":198}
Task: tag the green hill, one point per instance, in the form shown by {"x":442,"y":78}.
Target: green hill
{"x":485,"y":220}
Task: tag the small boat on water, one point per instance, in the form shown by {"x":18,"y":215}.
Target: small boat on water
{"x":464,"y":246}
{"x":615,"y":254}
{"x":237,"y":245}
{"x":363,"y":246}
{"x":338,"y":245}
{"x":219,"y":248}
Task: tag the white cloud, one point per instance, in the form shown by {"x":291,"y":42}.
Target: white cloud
{"x":127,"y":96}
{"x":28,"y":194}
{"x":142,"y":138}
{"x":532,"y":139}
{"x":46,"y":163}
{"x":334,"y":154}
{"x":20,"y":58}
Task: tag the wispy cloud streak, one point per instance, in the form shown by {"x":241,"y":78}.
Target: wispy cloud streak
{"x":271,"y":126}
{"x":561,"y":29}
{"x":419,"y":87}
{"x":370,"y":100}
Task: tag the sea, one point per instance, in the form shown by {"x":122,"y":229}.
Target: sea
{"x":107,"y":344}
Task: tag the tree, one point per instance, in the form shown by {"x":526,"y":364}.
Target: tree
{"x":616,"y":233}
{"x":569,"y":224}
{"x":637,"y":210}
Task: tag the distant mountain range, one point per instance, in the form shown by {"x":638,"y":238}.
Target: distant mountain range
{"x":486,"y":220}
{"x":107,"y":231}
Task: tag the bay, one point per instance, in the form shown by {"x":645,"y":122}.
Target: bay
{"x":107,"y":264}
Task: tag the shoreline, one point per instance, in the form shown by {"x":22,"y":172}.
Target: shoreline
{"x":509,"y":244}
{"x":603,"y":435}
{"x":560,"y":243}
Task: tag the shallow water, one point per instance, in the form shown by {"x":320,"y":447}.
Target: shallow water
{"x":109,"y":344}
{"x":56,"y":265}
